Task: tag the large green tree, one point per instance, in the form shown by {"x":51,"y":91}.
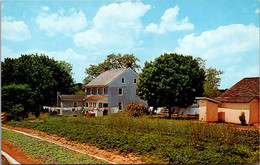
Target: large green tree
{"x":171,"y":80}
{"x":44,"y":76}
{"x":111,"y":62}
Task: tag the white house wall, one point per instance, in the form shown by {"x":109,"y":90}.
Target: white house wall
{"x":129,"y":89}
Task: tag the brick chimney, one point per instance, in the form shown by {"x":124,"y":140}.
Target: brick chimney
{"x":128,"y":65}
{"x":105,"y":69}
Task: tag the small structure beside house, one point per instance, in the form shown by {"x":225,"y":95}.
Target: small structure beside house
{"x":71,"y":100}
{"x":242,"y":97}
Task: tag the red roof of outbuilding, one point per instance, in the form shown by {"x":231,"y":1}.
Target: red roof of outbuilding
{"x":243,"y":92}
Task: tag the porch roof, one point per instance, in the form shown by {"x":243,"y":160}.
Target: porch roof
{"x":72,"y":97}
{"x":95,"y":97}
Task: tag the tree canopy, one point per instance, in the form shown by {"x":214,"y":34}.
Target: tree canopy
{"x":212,"y":80}
{"x":171,"y":80}
{"x":111,"y":62}
{"x":39,"y":74}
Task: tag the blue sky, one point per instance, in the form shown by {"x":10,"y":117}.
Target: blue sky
{"x":223,"y":32}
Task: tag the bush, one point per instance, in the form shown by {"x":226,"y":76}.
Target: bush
{"x":135,"y":109}
{"x":242,"y":118}
{"x":16,"y":112}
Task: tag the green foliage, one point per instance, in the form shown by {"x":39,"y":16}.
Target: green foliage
{"x":15,"y":112}
{"x":16,"y":100}
{"x":112,"y":62}
{"x":212,"y":80}
{"x":80,"y":93}
{"x":171,"y":80}
{"x":135,"y":109}
{"x":158,"y":140}
{"x":212,"y":83}
{"x":42,"y":74}
{"x":242,"y":118}
{"x":47,"y":152}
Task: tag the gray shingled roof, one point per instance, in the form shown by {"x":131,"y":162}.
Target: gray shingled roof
{"x":72,"y":97}
{"x":106,"y":77}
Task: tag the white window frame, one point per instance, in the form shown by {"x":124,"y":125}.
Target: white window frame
{"x":121,"y":93}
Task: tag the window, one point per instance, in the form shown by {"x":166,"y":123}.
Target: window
{"x":120,"y":91}
{"x":100,"y":105}
{"x":100,"y":91}
{"x":88,"y":91}
{"x":105,"y":91}
{"x":135,"y":80}
{"x":94,"y":105}
{"x":120,"y":105}
{"x":90,"y":105}
{"x":105,"y":105}
{"x":123,"y":80}
{"x":86,"y":104}
{"x":94,"y":91}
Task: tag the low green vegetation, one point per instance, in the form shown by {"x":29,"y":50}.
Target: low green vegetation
{"x":157,"y":140}
{"x":47,"y":152}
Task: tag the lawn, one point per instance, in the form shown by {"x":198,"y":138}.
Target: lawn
{"x":157,"y":140}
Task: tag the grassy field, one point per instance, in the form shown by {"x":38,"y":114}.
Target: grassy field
{"x":45,"y":151}
{"x":157,"y":140}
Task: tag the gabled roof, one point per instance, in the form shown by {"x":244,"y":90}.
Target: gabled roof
{"x":242,"y":92}
{"x":72,"y":97}
{"x":106,"y":77}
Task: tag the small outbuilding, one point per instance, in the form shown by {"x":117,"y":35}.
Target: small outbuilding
{"x":243,"y":97}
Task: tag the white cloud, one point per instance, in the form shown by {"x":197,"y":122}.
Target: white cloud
{"x":45,"y":8}
{"x":14,"y":30}
{"x":170,"y":22}
{"x":114,"y":26}
{"x":257,"y":11}
{"x":68,"y":24}
{"x":234,"y":73}
{"x":67,"y":55}
{"x":221,"y":43}
{"x":235,"y":45}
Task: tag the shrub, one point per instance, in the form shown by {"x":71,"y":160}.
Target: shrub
{"x":135,"y":109}
{"x":242,"y":118}
{"x":15,"y":112}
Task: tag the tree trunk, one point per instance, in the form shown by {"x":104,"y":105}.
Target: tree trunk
{"x":170,"y":111}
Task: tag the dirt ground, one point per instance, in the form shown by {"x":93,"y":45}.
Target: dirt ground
{"x":112,"y":156}
{"x":17,"y":154}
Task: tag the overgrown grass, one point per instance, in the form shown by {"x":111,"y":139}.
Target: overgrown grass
{"x":47,"y":152}
{"x":158,"y":140}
